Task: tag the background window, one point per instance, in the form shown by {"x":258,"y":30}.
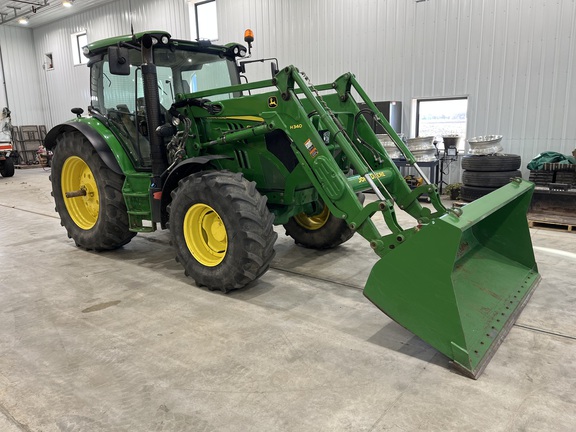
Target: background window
{"x":48,"y":62}
{"x":204,"y":19}
{"x":79,"y":41}
{"x":438,"y":117}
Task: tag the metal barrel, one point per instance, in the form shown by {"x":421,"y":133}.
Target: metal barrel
{"x":460,"y":282}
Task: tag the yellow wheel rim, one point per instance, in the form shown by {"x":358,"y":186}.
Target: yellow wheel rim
{"x":205,"y":235}
{"x":76,"y":176}
{"x":313,"y":222}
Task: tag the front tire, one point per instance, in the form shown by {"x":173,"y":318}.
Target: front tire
{"x":7,"y":168}
{"x":97,"y":220}
{"x":221,"y":229}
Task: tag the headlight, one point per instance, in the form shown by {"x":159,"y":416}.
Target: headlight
{"x":165,"y":40}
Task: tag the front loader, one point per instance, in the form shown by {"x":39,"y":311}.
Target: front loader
{"x":175,"y":140}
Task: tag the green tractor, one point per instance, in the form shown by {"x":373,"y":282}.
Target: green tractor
{"x":175,"y":140}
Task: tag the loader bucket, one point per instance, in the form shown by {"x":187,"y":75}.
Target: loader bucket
{"x":459,"y":283}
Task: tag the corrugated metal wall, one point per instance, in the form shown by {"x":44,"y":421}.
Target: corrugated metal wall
{"x":67,"y":85}
{"x":21,"y":75}
{"x":514,"y":59}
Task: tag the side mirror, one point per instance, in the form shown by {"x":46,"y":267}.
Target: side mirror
{"x":77,"y":111}
{"x":119,"y":60}
{"x":274,"y":69}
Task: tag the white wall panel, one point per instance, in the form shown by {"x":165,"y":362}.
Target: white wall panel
{"x":67,"y":86}
{"x":514,"y":59}
{"x":3,"y":96}
{"x":21,"y":75}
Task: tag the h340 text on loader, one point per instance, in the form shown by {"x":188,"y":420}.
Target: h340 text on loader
{"x":175,"y":139}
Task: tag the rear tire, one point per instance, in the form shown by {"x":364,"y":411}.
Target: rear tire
{"x":221,"y":229}
{"x":321,"y":231}
{"x":99,"y":220}
{"x":7,"y":168}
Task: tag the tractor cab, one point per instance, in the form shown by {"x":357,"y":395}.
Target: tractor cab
{"x":182,"y":67}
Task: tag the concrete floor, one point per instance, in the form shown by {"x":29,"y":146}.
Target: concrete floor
{"x":123,"y":341}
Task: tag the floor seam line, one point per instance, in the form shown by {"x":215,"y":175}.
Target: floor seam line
{"x":29,"y":211}
{"x":12,"y":420}
{"x":316,"y":277}
{"x":548,"y":332}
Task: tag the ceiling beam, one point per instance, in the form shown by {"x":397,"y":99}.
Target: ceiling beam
{"x":26,"y":12}
{"x":31,"y":3}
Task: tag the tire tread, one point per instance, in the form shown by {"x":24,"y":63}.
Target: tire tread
{"x":488,"y":178}
{"x":112,"y":228}
{"x":253,"y":240}
{"x":496,"y":162}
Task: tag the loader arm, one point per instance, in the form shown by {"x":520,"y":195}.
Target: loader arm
{"x":476,"y":267}
{"x":375,"y":170}
{"x":460,"y":277}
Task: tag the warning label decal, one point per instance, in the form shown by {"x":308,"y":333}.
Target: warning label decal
{"x":311,"y":149}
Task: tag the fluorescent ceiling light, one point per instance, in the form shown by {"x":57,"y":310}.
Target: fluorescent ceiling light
{"x":23,"y":20}
{"x":67,"y":3}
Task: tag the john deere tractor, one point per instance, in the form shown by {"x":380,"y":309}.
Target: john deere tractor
{"x":174,"y":139}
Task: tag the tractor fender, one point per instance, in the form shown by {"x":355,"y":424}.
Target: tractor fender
{"x":97,"y":141}
{"x":182,"y":170}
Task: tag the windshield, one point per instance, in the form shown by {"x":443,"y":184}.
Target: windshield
{"x":183,"y":71}
{"x":180,"y":71}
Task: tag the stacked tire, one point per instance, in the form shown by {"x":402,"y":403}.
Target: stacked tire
{"x":486,"y":173}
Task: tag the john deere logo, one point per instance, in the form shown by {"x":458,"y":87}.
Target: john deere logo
{"x":272,"y":102}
